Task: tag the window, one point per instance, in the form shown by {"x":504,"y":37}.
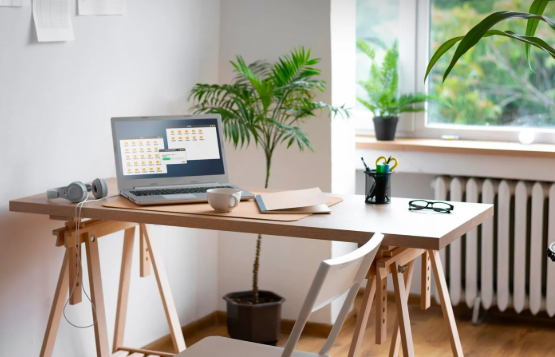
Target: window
{"x":377,"y":23}
{"x":492,"y":84}
{"x":492,"y":93}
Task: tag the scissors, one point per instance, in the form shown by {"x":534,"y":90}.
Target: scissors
{"x":387,"y":161}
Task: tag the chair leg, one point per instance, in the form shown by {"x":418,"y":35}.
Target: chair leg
{"x":362,"y":318}
{"x":396,"y":337}
{"x":445,"y":302}
{"x":97,"y":298}
{"x":165,"y":292}
{"x":402,"y":312}
{"x":123,"y":293}
{"x":57,"y":309}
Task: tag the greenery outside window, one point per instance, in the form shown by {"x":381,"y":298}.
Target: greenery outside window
{"x":493,"y":85}
{"x":492,"y":94}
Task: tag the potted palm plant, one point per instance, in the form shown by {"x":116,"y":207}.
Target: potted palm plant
{"x":382,"y":92}
{"x":265,"y":104}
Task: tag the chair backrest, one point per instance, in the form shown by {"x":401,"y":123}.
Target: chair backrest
{"x":333,"y":278}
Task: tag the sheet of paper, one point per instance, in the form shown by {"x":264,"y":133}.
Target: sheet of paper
{"x":323,"y":208}
{"x":101,"y":7}
{"x":293,"y":199}
{"x":53,"y":20}
{"x":17,"y":3}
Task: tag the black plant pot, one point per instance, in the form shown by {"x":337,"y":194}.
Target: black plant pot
{"x":385,"y":127}
{"x":260,"y":323}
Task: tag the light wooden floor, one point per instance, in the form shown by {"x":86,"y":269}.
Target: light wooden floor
{"x":498,"y":336}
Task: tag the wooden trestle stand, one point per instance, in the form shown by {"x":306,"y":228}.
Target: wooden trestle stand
{"x":399,"y":262}
{"x":71,"y":275}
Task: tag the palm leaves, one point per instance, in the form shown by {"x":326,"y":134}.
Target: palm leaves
{"x":483,"y":29}
{"x":382,"y":85}
{"x":364,"y":47}
{"x":267,"y":103}
{"x":294,"y":67}
{"x":233,"y":102}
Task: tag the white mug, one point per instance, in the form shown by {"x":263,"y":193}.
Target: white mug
{"x":224,"y":199}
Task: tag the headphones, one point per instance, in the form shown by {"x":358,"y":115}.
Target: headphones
{"x":551,"y":251}
{"x":77,"y":191}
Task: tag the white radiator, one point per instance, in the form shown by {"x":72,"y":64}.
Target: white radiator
{"x":503,"y":261}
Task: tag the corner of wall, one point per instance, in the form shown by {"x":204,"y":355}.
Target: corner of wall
{"x":343,"y":50}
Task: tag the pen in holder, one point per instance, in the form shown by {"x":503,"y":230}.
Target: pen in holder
{"x":378,"y":187}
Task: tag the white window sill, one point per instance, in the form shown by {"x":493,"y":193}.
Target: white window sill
{"x":468,"y":158}
{"x":467,"y":147}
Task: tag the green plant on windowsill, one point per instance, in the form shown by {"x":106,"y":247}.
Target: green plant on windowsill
{"x":266,"y":104}
{"x":382,"y":91}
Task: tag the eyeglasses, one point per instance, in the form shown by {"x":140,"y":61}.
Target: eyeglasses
{"x":441,"y":207}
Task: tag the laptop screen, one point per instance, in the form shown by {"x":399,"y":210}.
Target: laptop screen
{"x":167,"y":148}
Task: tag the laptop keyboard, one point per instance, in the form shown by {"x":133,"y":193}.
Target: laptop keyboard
{"x":174,"y":191}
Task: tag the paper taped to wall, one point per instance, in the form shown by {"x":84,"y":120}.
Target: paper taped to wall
{"x":15,"y":3}
{"x":53,"y":20}
{"x":102,"y":7}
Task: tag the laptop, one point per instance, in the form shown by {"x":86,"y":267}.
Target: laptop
{"x":170,"y":159}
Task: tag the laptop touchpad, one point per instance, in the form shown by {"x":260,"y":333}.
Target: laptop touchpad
{"x":180,"y":196}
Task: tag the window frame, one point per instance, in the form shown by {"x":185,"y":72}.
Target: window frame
{"x":414,"y":42}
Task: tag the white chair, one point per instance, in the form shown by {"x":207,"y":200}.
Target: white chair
{"x":333,"y":278}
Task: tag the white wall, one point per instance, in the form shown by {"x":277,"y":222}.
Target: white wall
{"x":267,"y":29}
{"x":55,"y":104}
{"x":343,"y":45}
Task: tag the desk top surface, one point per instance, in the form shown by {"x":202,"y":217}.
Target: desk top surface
{"x":350,"y":221}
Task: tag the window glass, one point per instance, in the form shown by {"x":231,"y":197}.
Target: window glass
{"x":377,"y":23}
{"x":492,"y":84}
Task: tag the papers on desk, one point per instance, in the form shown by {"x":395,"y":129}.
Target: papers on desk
{"x":101,"y":7}
{"x":52,"y":20}
{"x":311,"y":200}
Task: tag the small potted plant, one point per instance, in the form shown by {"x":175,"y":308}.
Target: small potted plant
{"x":382,"y":92}
{"x":265,"y":104}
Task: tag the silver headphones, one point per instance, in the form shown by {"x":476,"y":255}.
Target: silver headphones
{"x":77,"y":191}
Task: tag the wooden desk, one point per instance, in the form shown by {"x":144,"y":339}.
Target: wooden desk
{"x":407,"y":235}
{"x":350,"y":221}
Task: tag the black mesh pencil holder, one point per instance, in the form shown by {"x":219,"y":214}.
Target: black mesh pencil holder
{"x":378,"y":187}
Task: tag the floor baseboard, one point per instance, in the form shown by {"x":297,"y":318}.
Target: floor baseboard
{"x":414,"y":299}
{"x":194,"y":327}
{"x":219,"y":318}
{"x":311,"y":328}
